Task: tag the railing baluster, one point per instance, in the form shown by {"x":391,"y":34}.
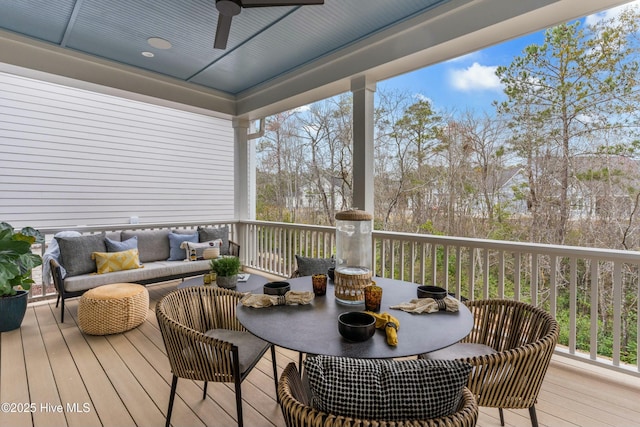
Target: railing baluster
{"x":472,"y":284}
{"x":445,"y":250}
{"x":501,"y":261}
{"x":636,"y":267}
{"x":553,"y":285}
{"x":573,"y":294}
{"x":459,"y":272}
{"x":517,"y":276}
{"x":402,"y":263}
{"x":533,"y":286}
{"x":617,"y":311}
{"x":412,"y":272}
{"x":485,"y":274}
{"x":434,"y":264}
{"x":423,"y":266}
{"x":593,"y":333}
{"x":392,"y":266}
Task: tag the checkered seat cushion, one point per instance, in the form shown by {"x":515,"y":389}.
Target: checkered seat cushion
{"x":386,"y":389}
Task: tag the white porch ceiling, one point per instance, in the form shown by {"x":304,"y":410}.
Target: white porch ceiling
{"x":276,"y":58}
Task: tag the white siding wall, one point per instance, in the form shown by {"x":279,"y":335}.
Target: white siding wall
{"x":74,"y":157}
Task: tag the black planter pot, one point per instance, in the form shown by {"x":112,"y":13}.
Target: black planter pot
{"x":12,"y":310}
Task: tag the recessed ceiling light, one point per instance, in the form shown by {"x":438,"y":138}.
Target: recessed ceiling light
{"x":159,"y":43}
{"x":148,"y":54}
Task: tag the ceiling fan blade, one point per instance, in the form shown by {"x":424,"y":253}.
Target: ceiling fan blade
{"x":268,"y":3}
{"x":222,"y":32}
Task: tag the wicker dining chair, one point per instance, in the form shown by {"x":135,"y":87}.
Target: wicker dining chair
{"x":509,"y":347}
{"x":297,"y":412}
{"x":206,"y":342}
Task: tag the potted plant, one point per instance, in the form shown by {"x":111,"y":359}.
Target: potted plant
{"x":16,"y":263}
{"x":226,"y":269}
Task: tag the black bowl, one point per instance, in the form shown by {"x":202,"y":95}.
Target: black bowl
{"x":356,"y":325}
{"x":435,"y":292}
{"x":276,"y":288}
{"x":331,"y":273}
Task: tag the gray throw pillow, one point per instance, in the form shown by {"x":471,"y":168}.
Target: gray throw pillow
{"x":386,"y":389}
{"x":115,"y":246}
{"x":207,"y":234}
{"x":311,"y":266}
{"x":75,"y":253}
{"x":153,"y":245}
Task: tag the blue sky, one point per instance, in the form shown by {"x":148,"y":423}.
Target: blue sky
{"x":469,"y":82}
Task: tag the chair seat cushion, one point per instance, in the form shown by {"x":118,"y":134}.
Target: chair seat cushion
{"x":250,"y":347}
{"x":460,"y":350}
{"x":386,"y":389}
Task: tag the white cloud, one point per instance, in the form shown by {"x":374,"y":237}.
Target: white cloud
{"x":475,"y":77}
{"x":610,"y":13}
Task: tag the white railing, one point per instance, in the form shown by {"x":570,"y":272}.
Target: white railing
{"x":271,"y":247}
{"x":576,"y":285}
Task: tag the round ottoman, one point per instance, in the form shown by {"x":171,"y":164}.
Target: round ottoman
{"x":111,"y":309}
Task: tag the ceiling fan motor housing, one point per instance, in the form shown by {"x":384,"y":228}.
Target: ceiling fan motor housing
{"x":228,"y":7}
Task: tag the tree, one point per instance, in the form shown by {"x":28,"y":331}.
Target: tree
{"x":326,"y":132}
{"x":392,"y":161}
{"x":421,"y":127}
{"x":279,"y":163}
{"x":580,"y":81}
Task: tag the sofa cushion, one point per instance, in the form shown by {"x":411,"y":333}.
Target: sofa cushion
{"x":311,"y":266}
{"x":117,"y":246}
{"x":386,"y":389}
{"x":152,"y":272}
{"x":214,"y":233}
{"x":153,"y":245}
{"x":176,"y":253}
{"x":75,"y":253}
{"x":107,"y":262}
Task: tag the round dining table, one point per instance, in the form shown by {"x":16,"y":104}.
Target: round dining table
{"x":313,"y":328}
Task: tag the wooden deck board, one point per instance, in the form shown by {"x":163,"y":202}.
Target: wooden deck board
{"x":68,"y":380}
{"x":43,"y":390}
{"x":103,"y":397}
{"x":125,"y":381}
{"x":14,"y":388}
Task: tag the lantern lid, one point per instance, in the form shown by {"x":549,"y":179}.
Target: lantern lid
{"x":354,"y":215}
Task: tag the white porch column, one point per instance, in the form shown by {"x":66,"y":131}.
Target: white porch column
{"x":244,"y":183}
{"x":245,"y":175}
{"x":363,"y":91}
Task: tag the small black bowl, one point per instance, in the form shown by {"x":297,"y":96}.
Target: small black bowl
{"x":435,"y":292}
{"x":276,"y":288}
{"x":331,"y":273}
{"x":356,"y":325}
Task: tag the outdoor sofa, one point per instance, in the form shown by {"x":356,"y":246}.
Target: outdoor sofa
{"x":83,"y":262}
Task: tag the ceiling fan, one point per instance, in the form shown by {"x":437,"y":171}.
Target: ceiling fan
{"x":230,"y":8}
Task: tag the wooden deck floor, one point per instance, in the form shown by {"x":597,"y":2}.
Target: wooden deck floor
{"x":51,"y":374}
